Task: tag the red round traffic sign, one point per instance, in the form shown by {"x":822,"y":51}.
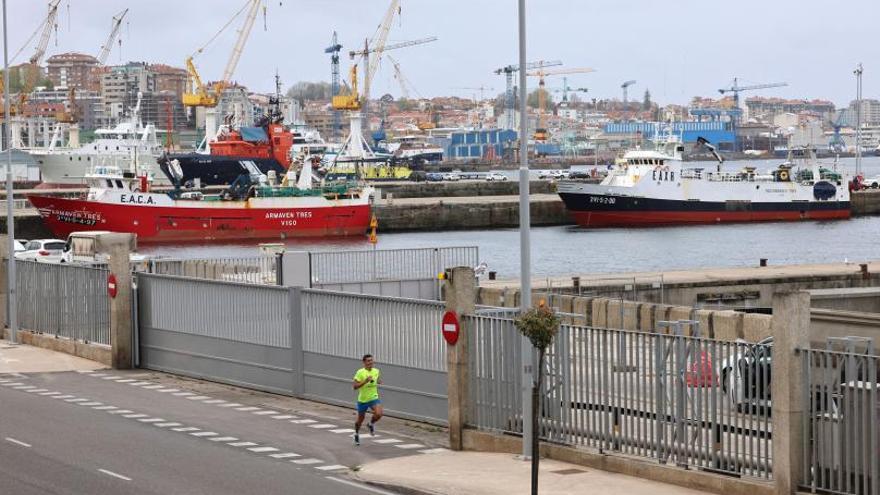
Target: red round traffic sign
{"x":111,"y":285}
{"x":450,"y":327}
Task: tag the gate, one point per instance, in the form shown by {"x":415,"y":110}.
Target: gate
{"x":63,"y":300}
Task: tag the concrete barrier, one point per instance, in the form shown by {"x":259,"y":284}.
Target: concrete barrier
{"x":727,"y":325}
{"x":93,"y":352}
{"x":756,"y":326}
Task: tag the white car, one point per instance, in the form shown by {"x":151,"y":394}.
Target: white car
{"x":495,"y":176}
{"x":19,"y":246}
{"x":872,"y":182}
{"x":43,"y":250}
{"x":451,"y":176}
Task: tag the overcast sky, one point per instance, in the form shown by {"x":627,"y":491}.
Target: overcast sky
{"x":675,"y":48}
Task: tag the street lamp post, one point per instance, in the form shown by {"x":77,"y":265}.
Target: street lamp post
{"x":858,"y":74}
{"x":527,"y":350}
{"x":10,"y":223}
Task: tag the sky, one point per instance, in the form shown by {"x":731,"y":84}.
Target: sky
{"x":677,"y":49}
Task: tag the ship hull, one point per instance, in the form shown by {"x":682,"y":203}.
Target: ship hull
{"x":60,"y":170}
{"x":218,"y":170}
{"x":597,"y":210}
{"x":207,"y":221}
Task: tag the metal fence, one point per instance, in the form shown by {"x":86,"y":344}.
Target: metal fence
{"x":261,"y":270}
{"x":686,"y":400}
{"x":388,"y":264}
{"x":63,"y":300}
{"x":841,"y":447}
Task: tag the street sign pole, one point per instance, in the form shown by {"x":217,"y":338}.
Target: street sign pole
{"x":10,"y":202}
{"x":527,"y":352}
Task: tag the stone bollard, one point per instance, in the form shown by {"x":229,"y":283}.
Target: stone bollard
{"x":459,"y":292}
{"x":790,"y":327}
{"x":118,"y":248}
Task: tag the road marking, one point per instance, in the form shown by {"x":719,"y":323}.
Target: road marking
{"x":134,"y":416}
{"x":186,"y":429}
{"x":408,"y":446}
{"x":90,"y":404}
{"x":111,"y":377}
{"x":151,"y":420}
{"x":332,"y":467}
{"x":140,"y":384}
{"x":342,"y":430}
{"x":241,"y":444}
{"x":115,"y":475}
{"x":117,"y":411}
{"x":198,"y":397}
{"x":303,"y":421}
{"x":166,"y":425}
{"x":308,"y":461}
{"x":126,"y":380}
{"x":98,"y":374}
{"x":283,"y":416}
{"x":230,"y":404}
{"x":223,"y":439}
{"x":264,"y":413}
{"x":167,"y":390}
{"x":214,"y":401}
{"x":153,"y":387}
{"x":104,"y":408}
{"x":260,"y":450}
{"x":322,"y":426}
{"x":388,"y":440}
{"x":50,"y":393}
{"x":12,"y":384}
{"x":284,"y":455}
{"x":247,"y":408}
{"x":17,"y":442}
{"x":62,"y":396}
{"x":23,"y":387}
{"x":204,"y":434}
{"x":85,"y":372}
{"x":182,"y":394}
{"x":359,"y":486}
{"x":75,"y":400}
{"x":434,"y":451}
{"x":36,"y":390}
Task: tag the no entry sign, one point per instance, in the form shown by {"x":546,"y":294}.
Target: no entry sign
{"x":450,"y":327}
{"x":111,"y":286}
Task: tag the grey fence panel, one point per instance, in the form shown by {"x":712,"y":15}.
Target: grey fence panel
{"x":388,"y":264}
{"x":412,"y":289}
{"x":241,"y":312}
{"x":842,"y":438}
{"x":262,"y":270}
{"x":678,"y":399}
{"x":63,"y":300}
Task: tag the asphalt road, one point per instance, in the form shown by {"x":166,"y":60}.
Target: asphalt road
{"x":72,"y":433}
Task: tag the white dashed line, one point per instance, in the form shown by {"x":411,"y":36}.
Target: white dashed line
{"x":182,"y":394}
{"x":333,"y":467}
{"x":91,"y":404}
{"x":104,"y":408}
{"x":50,"y":393}
{"x":17,"y":442}
{"x":408,"y":446}
{"x":118,"y":411}
{"x":111,"y":377}
{"x":126,"y":380}
{"x":434,"y":451}
{"x":260,"y":450}
{"x":223,"y":439}
{"x":24,"y":387}
{"x":247,"y":408}
{"x":322,"y":426}
{"x":283,"y":416}
{"x":153,"y":387}
{"x":204,"y":434}
{"x":62,"y":396}
{"x":303,"y":421}
{"x":242,"y":444}
{"x":115,"y":475}
{"x":199,"y":397}
{"x":264,"y":413}
{"x":134,"y":416}
{"x":388,"y":440}
{"x":36,"y":390}
{"x":85,"y":372}
{"x":98,"y":374}
{"x":140,"y":384}
{"x":308,"y":461}
{"x":342,"y":430}
{"x":167,"y":425}
{"x":167,"y":390}
{"x":75,"y":400}
{"x":214,"y":401}
{"x":186,"y":429}
{"x":230,"y":404}
{"x":151,"y":420}
{"x":12,"y":384}
{"x":285,"y":455}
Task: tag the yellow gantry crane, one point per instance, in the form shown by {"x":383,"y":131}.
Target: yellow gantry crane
{"x":541,"y":132}
{"x":202,"y":96}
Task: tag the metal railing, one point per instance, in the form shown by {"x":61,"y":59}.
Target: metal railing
{"x":679,"y":399}
{"x":398,"y":331}
{"x":63,"y":300}
{"x":841,"y":448}
{"x":261,"y":270}
{"x":388,"y":264}
{"x":227,"y":310}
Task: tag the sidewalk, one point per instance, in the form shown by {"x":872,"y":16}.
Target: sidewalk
{"x":480,"y":473}
{"x":18,"y":358}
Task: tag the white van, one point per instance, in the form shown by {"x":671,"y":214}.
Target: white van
{"x":84,"y":248}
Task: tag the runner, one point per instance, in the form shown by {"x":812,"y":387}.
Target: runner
{"x":366,"y":382}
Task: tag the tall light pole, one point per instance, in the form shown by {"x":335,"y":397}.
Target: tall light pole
{"x":10,"y":217}
{"x":858,"y":74}
{"x":525,"y":287}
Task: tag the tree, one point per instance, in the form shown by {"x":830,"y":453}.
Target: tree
{"x":310,"y":91}
{"x":539,"y":325}
{"x":646,"y":101}
{"x":533,"y":100}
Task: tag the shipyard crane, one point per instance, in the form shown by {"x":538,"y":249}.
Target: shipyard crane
{"x":375,"y":47}
{"x":201,"y":96}
{"x":541,"y":133}
{"x":108,"y":45}
{"x":405,"y":84}
{"x":624,"y":87}
{"x":735,"y":88}
{"x":33,"y":64}
{"x":566,"y":89}
{"x":509,"y":97}
{"x":334,"y":49}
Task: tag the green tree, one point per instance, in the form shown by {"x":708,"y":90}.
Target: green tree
{"x":533,"y":99}
{"x":310,"y":91}
{"x":540,"y":325}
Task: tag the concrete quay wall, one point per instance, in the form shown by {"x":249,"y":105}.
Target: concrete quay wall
{"x":865,"y":202}
{"x":458,"y":189}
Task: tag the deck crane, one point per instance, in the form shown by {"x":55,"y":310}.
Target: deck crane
{"x":108,"y":45}
{"x":541,"y":133}
{"x":334,"y":49}
{"x":201,"y":96}
{"x":735,"y":88}
{"x":508,"y":71}
{"x":33,"y":64}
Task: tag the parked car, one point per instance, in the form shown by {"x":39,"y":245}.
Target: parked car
{"x":495,"y":176}
{"x":19,"y":245}
{"x":470,"y":175}
{"x":745,"y":375}
{"x":579,"y":174}
{"x":418,"y":176}
{"x":434,"y":177}
{"x":451,"y":176}
{"x":872,"y":182}
{"x":44,"y":250}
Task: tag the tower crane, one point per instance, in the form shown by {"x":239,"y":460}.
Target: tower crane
{"x":108,"y":45}
{"x":372,"y":51}
{"x":405,"y":84}
{"x":508,"y":71}
{"x":201,"y":96}
{"x":33,"y":63}
{"x":566,"y":89}
{"x":541,"y":133}
{"x":334,"y":50}
{"x":735,"y":88}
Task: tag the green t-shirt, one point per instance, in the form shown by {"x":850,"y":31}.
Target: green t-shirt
{"x":370,"y":390}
